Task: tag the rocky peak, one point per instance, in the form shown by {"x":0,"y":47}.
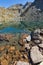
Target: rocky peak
{"x":39,"y":0}
{"x":39,"y":4}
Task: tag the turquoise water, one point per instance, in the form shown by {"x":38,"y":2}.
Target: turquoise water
{"x":12,"y":30}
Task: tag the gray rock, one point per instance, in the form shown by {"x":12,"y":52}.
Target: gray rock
{"x":37,"y":41}
{"x":41,"y":63}
{"x":41,"y":32}
{"x":27,"y":46}
{"x":41,"y":45}
{"x":36,"y":55}
{"x":22,"y":63}
{"x":37,"y":31}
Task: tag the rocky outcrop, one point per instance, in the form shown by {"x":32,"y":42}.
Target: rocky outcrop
{"x":34,"y":12}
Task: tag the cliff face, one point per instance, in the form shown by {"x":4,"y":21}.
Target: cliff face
{"x":39,"y":4}
{"x":11,"y":14}
{"x":34,"y":12}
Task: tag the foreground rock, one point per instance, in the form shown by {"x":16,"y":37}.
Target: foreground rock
{"x":37,"y":41}
{"x":41,"y":63}
{"x":22,"y":63}
{"x":20,"y":50}
{"x":36,"y":55}
{"x":41,"y":45}
{"x":27,"y":46}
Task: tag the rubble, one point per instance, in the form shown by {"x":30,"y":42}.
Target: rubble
{"x":36,"y":55}
{"x":20,"y":50}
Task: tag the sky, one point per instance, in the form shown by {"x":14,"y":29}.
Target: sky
{"x":7,"y":3}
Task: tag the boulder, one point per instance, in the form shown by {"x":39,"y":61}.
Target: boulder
{"x":11,"y":49}
{"x":2,"y":48}
{"x":37,"y":41}
{"x":22,"y":63}
{"x":27,"y":46}
{"x":41,"y":45}
{"x":35,"y":36}
{"x":41,"y":63}
{"x":28,"y":38}
{"x":41,"y":32}
{"x":37,"y":31}
{"x":4,"y":62}
{"x":36,"y":55}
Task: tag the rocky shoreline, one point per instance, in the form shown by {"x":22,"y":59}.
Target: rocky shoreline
{"x":21,"y":49}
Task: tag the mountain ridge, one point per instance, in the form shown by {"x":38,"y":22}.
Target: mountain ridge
{"x":29,"y":12}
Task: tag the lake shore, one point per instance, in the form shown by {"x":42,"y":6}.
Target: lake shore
{"x":17,"y":49}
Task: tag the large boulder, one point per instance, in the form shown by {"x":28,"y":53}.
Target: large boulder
{"x":36,"y":55}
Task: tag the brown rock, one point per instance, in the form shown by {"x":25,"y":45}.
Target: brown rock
{"x":2,"y":48}
{"x":11,"y":49}
{"x":27,"y":46}
{"x":4,"y":62}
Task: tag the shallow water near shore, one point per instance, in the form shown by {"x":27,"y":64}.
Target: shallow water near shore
{"x":12,"y":30}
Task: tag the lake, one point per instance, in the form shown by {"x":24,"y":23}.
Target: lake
{"x":12,"y":30}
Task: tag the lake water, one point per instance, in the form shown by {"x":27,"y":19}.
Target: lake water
{"x":12,"y":30}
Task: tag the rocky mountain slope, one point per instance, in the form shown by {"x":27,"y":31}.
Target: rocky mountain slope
{"x":31,"y":12}
{"x":34,"y":12}
{"x":10,"y":14}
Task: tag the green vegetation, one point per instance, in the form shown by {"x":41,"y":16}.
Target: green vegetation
{"x":24,"y":25}
{"x":31,"y":25}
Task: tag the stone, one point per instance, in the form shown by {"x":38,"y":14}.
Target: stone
{"x":22,"y":63}
{"x":36,"y":55}
{"x":4,"y":62}
{"x":37,"y":31}
{"x":15,"y":63}
{"x":37,"y":41}
{"x":11,"y":49}
{"x":28,"y":38}
{"x":2,"y":48}
{"x":40,"y":37}
{"x":41,"y":63}
{"x":35,"y":36}
{"x":41,"y":32}
{"x":41,"y":45}
{"x":27,"y":46}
